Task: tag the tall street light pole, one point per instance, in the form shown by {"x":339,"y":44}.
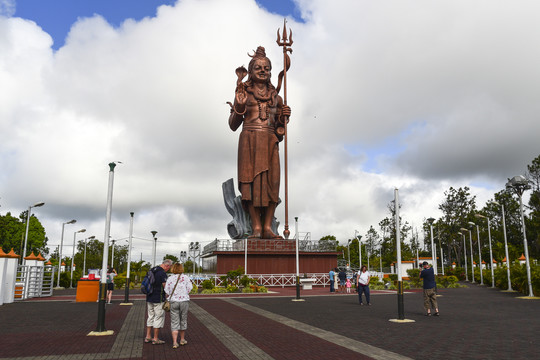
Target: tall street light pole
{"x":27,"y":226}
{"x":84,"y":266}
{"x":472,"y":254}
{"x":490,"y":249}
{"x":505,"y":247}
{"x":359,"y":237}
{"x":479,"y":251}
{"x":100,"y":329}
{"x":519,"y":184}
{"x":128,"y":275}
{"x":73,"y":257}
{"x":297,"y":260}
{"x":465,"y":256}
{"x":349,"y":253}
{"x":60,"y":253}
{"x":433,"y":254}
{"x":153,"y":232}
{"x":112,"y":253}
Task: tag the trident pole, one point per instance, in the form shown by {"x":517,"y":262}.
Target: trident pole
{"x":285,"y":43}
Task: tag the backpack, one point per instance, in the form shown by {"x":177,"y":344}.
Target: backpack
{"x":147,"y":285}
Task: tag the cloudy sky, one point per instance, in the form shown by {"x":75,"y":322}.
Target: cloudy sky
{"x":415,"y":95}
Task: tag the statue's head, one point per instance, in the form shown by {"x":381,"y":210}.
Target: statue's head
{"x":259,"y":62}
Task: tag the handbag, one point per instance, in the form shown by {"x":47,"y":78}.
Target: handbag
{"x":167,"y":304}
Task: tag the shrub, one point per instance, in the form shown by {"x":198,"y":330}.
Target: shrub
{"x":232,"y":288}
{"x":207,"y":291}
{"x":195,"y":289}
{"x":219,"y":290}
{"x":120,"y":281}
{"x":247,"y":281}
{"x":208,"y":284}
{"x":262,"y":289}
{"x":247,"y":290}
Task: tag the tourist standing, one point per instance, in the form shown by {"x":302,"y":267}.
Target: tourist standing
{"x":363,"y":284}
{"x":430,"y":295}
{"x":342,"y":280}
{"x":111,"y":273}
{"x":177,"y":289}
{"x":154,"y":302}
{"x":331,"y":278}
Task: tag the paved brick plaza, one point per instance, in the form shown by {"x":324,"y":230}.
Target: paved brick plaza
{"x":475,"y":323}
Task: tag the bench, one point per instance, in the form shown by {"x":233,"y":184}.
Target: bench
{"x":307,"y":284}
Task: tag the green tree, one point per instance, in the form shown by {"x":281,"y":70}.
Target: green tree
{"x":13,"y":230}
{"x":172,"y":257}
{"x":533,"y":220}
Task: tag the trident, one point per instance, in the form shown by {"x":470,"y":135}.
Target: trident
{"x":285,"y":43}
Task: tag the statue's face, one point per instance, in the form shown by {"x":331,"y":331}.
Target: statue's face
{"x":261,"y":70}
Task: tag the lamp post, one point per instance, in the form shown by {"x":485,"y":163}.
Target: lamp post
{"x":298,"y":260}
{"x":153,"y":232}
{"x":349,"y":253}
{"x":73,"y":257}
{"x":519,"y":184}
{"x":505,"y":247}
{"x":401,"y":307}
{"x":479,"y":251}
{"x":490,"y":249}
{"x":183,"y":256}
{"x":472,"y":253}
{"x":359,"y":237}
{"x":126,"y":293}
{"x":27,"y":226}
{"x":60,"y":253}
{"x":433,"y":254}
{"x":112,"y":253}
{"x":84,"y":266}
{"x":100,"y":328}
{"x":465,"y":256}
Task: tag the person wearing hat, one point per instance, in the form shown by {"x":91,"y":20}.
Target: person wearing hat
{"x":430,"y":296}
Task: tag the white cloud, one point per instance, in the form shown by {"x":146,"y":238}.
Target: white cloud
{"x":454,"y":84}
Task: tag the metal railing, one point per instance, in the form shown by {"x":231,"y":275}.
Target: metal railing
{"x":274,"y":280}
{"x":277,"y":245}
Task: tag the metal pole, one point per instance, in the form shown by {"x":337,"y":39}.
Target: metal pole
{"x":401,"y":307}
{"x":154,"y":248}
{"x":491,"y":256}
{"x":472,"y":256}
{"x":126,"y":293}
{"x":525,"y":246}
{"x":433,"y":254}
{"x":84,"y":264}
{"x":112,"y":253}
{"x":297,"y":261}
{"x":103,"y":281}
{"x":60,"y":253}
{"x":73,"y":257}
{"x":245,"y":255}
{"x":23,"y":261}
{"x":465,"y":258}
{"x":479,"y":255}
{"x":506,"y":250}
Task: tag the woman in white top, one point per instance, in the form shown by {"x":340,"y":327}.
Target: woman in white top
{"x":362,"y":284}
{"x":177,"y":289}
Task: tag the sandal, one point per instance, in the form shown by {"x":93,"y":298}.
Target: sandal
{"x":183,"y":342}
{"x":158,"y":342}
{"x":175,"y":346}
{"x":147,"y":340}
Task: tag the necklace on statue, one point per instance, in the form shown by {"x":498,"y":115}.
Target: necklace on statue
{"x":263,"y":114}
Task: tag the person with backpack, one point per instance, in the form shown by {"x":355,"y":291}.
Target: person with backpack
{"x":111,"y":273}
{"x":154,"y":301}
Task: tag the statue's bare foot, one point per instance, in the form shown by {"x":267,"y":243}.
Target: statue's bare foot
{"x":269,"y":234}
{"x":255,"y":235}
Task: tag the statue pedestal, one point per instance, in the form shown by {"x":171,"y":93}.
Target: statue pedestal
{"x":268,"y":256}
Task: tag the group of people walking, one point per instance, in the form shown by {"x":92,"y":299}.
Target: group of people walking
{"x":175,"y":289}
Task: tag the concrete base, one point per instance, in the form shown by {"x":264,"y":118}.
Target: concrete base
{"x":101,"y":333}
{"x":399,"y":321}
{"x":528,"y":297}
{"x":509,"y":291}
{"x":127,"y":304}
{"x":59,"y":288}
{"x":295,"y":299}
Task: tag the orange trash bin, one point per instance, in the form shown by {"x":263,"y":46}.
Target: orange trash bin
{"x":87,"y":290}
